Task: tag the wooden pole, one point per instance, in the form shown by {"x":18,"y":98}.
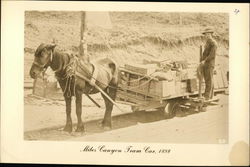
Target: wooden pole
{"x":200,"y":78}
{"x":98,"y":88}
{"x":83,"y":42}
{"x":93,"y":100}
{"x":180,"y":19}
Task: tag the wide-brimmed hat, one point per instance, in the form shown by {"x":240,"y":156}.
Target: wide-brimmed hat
{"x":207,"y":30}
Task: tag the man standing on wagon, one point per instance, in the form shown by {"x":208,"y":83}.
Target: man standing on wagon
{"x":208,"y":62}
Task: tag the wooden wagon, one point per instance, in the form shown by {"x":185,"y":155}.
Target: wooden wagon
{"x":142,"y":90}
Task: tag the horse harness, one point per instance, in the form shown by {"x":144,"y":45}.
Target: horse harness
{"x":73,"y":69}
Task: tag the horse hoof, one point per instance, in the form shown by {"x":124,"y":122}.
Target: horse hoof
{"x":67,"y":129}
{"x":80,"y":129}
{"x":106,"y":128}
{"x":203,"y":109}
{"x":78,"y":134}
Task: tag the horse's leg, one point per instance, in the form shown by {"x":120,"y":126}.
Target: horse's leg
{"x":107,"y":120}
{"x":80,"y":126}
{"x":68,"y":126}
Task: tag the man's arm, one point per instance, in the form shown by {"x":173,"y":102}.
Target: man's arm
{"x":212,"y":53}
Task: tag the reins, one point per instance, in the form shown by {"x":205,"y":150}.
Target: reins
{"x":39,"y":65}
{"x":43,"y":65}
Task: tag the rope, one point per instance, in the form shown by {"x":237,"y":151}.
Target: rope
{"x":146,"y":76}
{"x":152,"y":78}
{"x":142,"y":84}
{"x":67,"y":90}
{"x":69,"y":76}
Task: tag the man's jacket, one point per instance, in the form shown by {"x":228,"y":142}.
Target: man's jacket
{"x":210,"y":52}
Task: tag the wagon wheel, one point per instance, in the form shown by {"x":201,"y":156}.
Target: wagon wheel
{"x":170,"y":110}
{"x":202,"y":108}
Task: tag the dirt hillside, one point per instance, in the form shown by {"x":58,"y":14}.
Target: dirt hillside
{"x":134,"y":35}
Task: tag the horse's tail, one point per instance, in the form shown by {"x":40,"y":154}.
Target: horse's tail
{"x":114,"y":71}
{"x":112,"y":66}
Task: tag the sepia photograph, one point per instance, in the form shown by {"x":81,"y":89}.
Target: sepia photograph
{"x":126,"y":76}
{"x":115,"y":84}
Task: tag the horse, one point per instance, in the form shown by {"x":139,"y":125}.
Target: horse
{"x":103,"y":73}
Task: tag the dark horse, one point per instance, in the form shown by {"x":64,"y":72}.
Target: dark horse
{"x":72,"y":85}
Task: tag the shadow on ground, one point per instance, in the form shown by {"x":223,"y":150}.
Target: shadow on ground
{"x":93,"y":127}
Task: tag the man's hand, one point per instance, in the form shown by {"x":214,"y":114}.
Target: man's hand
{"x":202,"y":62}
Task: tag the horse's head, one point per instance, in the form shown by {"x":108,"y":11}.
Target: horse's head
{"x":42,"y":60}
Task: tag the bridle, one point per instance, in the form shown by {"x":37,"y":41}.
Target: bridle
{"x":44,"y":66}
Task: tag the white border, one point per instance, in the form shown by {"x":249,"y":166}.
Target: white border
{"x":15,"y":149}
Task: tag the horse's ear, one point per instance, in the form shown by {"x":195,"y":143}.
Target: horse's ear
{"x":51,"y":46}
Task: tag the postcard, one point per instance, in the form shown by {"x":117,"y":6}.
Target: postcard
{"x":122,"y":83}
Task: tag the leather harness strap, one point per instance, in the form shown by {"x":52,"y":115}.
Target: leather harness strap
{"x":95,"y":74}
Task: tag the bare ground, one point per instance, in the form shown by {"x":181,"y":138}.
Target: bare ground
{"x":45,"y":122}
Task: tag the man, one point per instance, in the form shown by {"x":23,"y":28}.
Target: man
{"x":208,"y":63}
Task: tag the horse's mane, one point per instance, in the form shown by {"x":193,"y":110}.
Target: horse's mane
{"x":60,"y":60}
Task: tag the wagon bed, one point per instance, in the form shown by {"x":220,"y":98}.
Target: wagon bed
{"x":144,"y":92}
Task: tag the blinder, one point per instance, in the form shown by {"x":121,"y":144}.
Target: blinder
{"x":38,"y":52}
{"x":46,"y":64}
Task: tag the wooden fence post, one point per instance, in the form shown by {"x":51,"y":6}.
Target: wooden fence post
{"x":200,"y":79}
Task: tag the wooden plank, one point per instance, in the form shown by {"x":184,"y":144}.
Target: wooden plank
{"x":124,"y":102}
{"x":220,"y":70}
{"x":224,"y":77}
{"x":130,"y":100}
{"x":136,"y":73}
{"x":168,"y":88}
{"x":216,"y":84}
{"x":142,"y":69}
{"x":184,"y":84}
{"x":147,"y":87}
{"x":220,"y":90}
{"x":192,"y":85}
{"x":133,"y":95}
{"x":39,"y":87}
{"x":219,"y":79}
{"x":153,"y":105}
{"x":137,"y":90}
{"x":178,"y":88}
{"x":135,"y":98}
{"x":216,"y":79}
{"x":28,"y":85}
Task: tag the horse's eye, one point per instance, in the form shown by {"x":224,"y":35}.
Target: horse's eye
{"x":43,"y":54}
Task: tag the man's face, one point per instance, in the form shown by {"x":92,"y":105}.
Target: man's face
{"x":207,"y":35}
